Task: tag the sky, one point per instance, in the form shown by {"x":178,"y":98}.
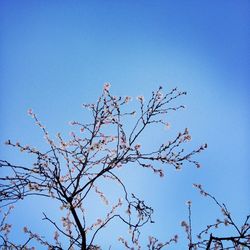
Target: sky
{"x":56,"y":55}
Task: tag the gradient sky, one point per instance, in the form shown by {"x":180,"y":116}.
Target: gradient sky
{"x":56,"y":55}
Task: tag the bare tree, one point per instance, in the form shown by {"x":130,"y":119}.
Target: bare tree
{"x":69,"y":170}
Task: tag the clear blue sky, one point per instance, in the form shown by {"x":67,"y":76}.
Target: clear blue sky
{"x":55,"y":55}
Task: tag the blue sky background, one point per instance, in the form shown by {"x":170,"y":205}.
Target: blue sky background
{"x":55,"y":55}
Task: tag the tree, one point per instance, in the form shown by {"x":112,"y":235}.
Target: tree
{"x":69,"y":170}
{"x":238,"y":237}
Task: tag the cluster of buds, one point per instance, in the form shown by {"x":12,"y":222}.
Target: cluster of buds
{"x":202,"y":191}
{"x":106,"y":87}
{"x":155,"y":244}
{"x":124,"y":242}
{"x":185,"y":225}
{"x":140,"y":98}
{"x":56,"y":237}
{"x":33,"y":186}
{"x":67,"y":223}
{"x":101,"y":195}
{"x":127,"y":99}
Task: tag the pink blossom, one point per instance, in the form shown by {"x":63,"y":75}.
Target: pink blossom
{"x":30,"y":112}
{"x":25,"y":229}
{"x":106,"y":86}
{"x":187,"y":138}
{"x":159,"y":95}
{"x":167,"y":125}
{"x":56,"y":236}
{"x":127,"y":99}
{"x":140,"y":98}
